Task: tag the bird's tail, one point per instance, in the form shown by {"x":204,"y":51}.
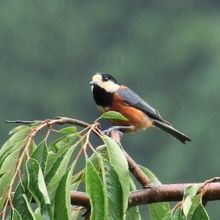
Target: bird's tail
{"x":171,"y":130}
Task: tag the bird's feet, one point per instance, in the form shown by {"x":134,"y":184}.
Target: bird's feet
{"x":121,"y":129}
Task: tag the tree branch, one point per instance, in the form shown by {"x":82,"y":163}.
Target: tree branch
{"x":154,"y":194}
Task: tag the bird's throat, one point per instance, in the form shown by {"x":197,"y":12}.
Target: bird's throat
{"x":101,"y":97}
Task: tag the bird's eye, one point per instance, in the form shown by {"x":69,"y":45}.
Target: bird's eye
{"x":105,"y":79}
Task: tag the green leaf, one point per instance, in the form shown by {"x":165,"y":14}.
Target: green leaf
{"x":68,"y":130}
{"x":15,"y":215}
{"x":176,"y":214}
{"x":157,"y":210}
{"x":38,"y":214}
{"x":41,"y":154}
{"x":63,"y":143}
{"x":76,"y":180}
{"x":28,"y":207}
{"x":118,"y":161}
{"x":134,"y":212}
{"x":189,"y":193}
{"x":58,"y":170}
{"x":36,"y":184}
{"x":18,"y":128}
{"x":95,"y":191}
{"x":51,"y":159}
{"x":7,"y":169}
{"x":200,"y":213}
{"x":62,"y":208}
{"x":20,"y":203}
{"x":15,"y":142}
{"x":113,"y":116}
{"x":114,"y":192}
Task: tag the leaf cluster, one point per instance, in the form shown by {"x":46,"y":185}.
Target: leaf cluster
{"x":42,"y":176}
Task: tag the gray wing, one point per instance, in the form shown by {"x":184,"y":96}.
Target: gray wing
{"x":134,"y":100}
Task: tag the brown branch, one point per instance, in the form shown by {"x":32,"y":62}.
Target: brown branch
{"x":59,"y":120}
{"x":154,"y":194}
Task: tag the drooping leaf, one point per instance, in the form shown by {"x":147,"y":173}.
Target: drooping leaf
{"x":20,"y":203}
{"x":62,"y":209}
{"x":58,"y":170}
{"x":118,"y":161}
{"x":94,"y":189}
{"x":114,"y":192}
{"x":157,"y":210}
{"x":36,"y":183}
{"x":113,"y":116}
{"x":7,"y":170}
{"x":15,"y":142}
{"x":41,"y":154}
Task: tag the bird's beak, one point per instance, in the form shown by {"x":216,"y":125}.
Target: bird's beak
{"x":91,"y":83}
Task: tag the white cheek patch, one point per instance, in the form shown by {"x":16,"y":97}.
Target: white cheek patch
{"x":110,"y":86}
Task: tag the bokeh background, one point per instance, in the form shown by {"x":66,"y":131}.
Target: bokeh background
{"x":167,"y":51}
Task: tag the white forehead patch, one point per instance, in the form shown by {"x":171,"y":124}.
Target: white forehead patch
{"x":109,"y":86}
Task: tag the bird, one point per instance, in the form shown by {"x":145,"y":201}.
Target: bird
{"x":109,"y":95}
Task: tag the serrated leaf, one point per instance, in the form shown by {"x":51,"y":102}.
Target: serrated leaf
{"x":157,"y":210}
{"x":58,"y":171}
{"x":119,"y":162}
{"x":7,"y":169}
{"x":41,"y":154}
{"x":62,"y":209}
{"x":94,"y":189}
{"x":113,"y":116}
{"x":36,"y":183}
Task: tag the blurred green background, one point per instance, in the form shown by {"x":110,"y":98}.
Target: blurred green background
{"x":167,"y":51}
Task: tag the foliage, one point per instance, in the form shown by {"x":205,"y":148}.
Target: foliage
{"x":51,"y":170}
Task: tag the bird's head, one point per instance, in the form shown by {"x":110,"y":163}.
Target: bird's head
{"x":104,"y":81}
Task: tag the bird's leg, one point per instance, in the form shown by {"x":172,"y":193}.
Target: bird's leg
{"x":122,"y":129}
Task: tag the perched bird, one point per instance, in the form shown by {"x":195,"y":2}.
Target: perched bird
{"x":110,"y":96}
